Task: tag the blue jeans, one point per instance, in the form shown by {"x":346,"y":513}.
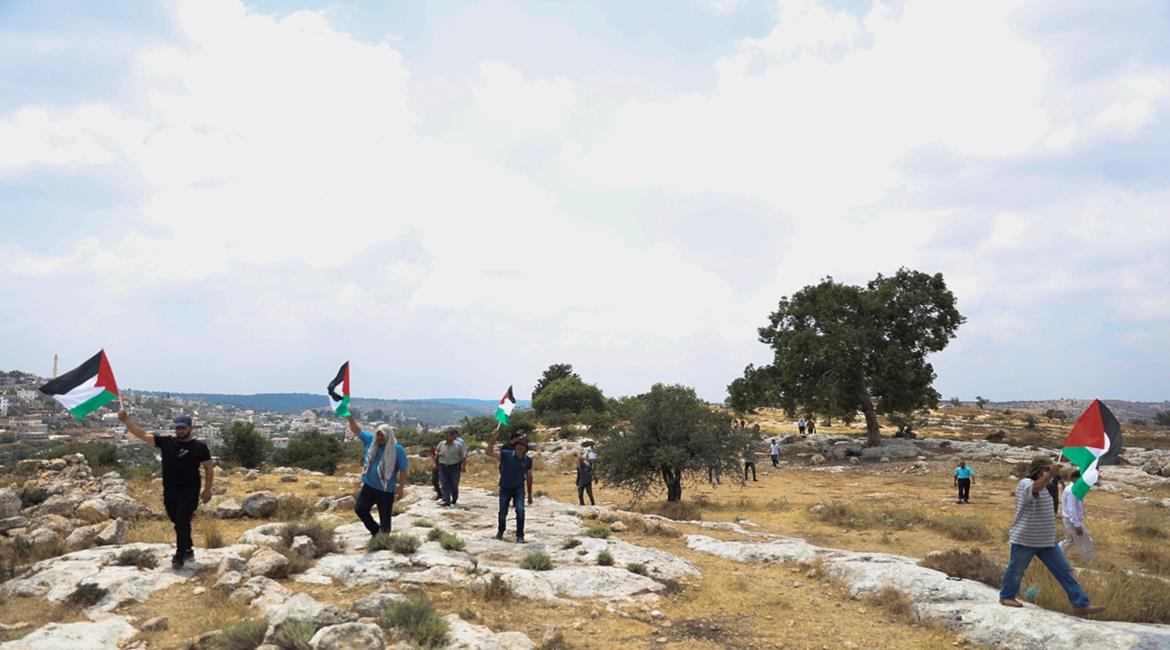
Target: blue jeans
{"x":1057,"y":564}
{"x":449,"y":478}
{"x":516,"y":496}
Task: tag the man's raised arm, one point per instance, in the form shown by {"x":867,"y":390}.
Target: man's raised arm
{"x":134,"y":429}
{"x":491,"y":444}
{"x":354,"y":428}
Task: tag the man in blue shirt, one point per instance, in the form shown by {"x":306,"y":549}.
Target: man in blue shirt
{"x":383,"y":475}
{"x":963,"y":476}
{"x":515,"y":474}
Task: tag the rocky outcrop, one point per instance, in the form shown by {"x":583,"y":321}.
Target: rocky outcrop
{"x":98,"y":635}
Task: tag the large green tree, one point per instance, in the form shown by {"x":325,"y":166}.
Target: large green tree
{"x":243,"y":445}
{"x":672,"y":438}
{"x":839,"y":349}
{"x":552,"y":373}
{"x":569,"y":395}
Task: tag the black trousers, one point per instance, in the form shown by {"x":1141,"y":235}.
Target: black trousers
{"x":775,"y":460}
{"x":752,"y":465}
{"x":180,"y":504}
{"x":367,"y":499}
{"x":435,"y":483}
{"x":582,"y":490}
{"x":964,"y":489}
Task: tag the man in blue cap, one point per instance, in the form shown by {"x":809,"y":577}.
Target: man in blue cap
{"x":182,"y":456}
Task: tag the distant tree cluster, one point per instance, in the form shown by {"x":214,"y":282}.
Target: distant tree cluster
{"x":561,"y":396}
{"x":314,"y":451}
{"x":243,"y":445}
{"x":1162,"y":418}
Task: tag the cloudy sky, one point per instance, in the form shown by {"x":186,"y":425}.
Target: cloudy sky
{"x":236,"y":197}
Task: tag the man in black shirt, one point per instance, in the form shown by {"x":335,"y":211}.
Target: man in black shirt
{"x":182,"y":455}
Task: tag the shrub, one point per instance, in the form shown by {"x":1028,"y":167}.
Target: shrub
{"x":415,"y":617}
{"x":451,"y":542}
{"x":537,"y":561}
{"x":572,"y":542}
{"x":600,"y":531}
{"x":637,"y":567}
{"x":248,"y":634}
{"x":424,"y":523}
{"x":497,"y":589}
{"x":314,"y":451}
{"x":212,"y":535}
{"x":418,"y":476}
{"x":895,"y":602}
{"x":1029,"y":421}
{"x":960,"y":528}
{"x":397,"y":542}
{"x":87,"y":594}
{"x":434,"y":534}
{"x":568,"y":395}
{"x":321,"y":534}
{"x":30,"y":497}
{"x":294,"y":634}
{"x":1162,"y":418}
{"x":102,"y":457}
{"x":972,"y":565}
{"x":398,"y":508}
{"x":136,"y":557}
{"x":292,"y":508}
{"x":243,"y":445}
{"x":605,"y":558}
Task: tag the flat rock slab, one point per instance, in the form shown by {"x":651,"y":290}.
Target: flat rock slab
{"x":98,"y":635}
{"x":968,"y":607}
{"x":467,"y":636}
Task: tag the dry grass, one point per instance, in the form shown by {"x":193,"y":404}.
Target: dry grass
{"x":852,"y":515}
{"x":677,"y":510}
{"x":1126,"y":596}
{"x":1149,"y":523}
{"x":971,"y":564}
{"x":894,"y":603}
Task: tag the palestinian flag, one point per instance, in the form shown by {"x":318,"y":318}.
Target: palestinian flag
{"x":340,"y":403}
{"x":86,"y":388}
{"x":1095,"y":440}
{"x":507,"y":404}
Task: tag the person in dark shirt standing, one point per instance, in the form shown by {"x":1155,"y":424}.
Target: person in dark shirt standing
{"x":585,"y":481}
{"x":515,"y":474}
{"x":182,"y":456}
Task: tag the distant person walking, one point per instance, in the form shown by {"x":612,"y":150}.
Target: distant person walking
{"x":800,"y":425}
{"x":515,"y":474}
{"x":1033,"y":534}
{"x":749,"y":462}
{"x":451,"y":453}
{"x":1076,"y":535}
{"x":811,"y":426}
{"x":963,"y":476}
{"x":384,"y":467}
{"x":585,"y":481}
{"x":182,"y":456}
{"x":435,"y":482}
{"x":775,"y":453}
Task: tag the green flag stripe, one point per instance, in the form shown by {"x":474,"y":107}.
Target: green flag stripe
{"x":1080,"y":488}
{"x":342,"y":408}
{"x":92,"y":404}
{"x":1082,"y":457}
{"x":502,"y":416}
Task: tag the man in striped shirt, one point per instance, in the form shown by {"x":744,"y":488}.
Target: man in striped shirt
{"x":1033,"y":534}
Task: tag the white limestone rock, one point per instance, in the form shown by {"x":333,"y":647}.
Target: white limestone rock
{"x":92,"y":511}
{"x":467,"y":636}
{"x":97,"y":635}
{"x":349,"y":636}
{"x":114,"y":533}
{"x":9,"y":503}
{"x":268,"y":563}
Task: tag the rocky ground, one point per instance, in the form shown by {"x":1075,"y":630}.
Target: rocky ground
{"x":670,"y":583}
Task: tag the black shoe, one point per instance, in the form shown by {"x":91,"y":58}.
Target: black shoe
{"x":500,"y":536}
{"x":189,"y":555}
{"x":177,"y":561}
{"x":520,"y":540}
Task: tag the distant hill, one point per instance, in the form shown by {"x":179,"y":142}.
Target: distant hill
{"x":432,"y":412}
{"x":1123,"y":409}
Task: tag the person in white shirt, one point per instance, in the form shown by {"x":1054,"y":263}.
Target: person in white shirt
{"x":1073,"y":515}
{"x":775,"y":453}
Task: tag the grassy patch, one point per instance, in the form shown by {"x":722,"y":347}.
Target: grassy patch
{"x":537,"y":561}
{"x":1148,"y":524}
{"x":212,"y":534}
{"x":572,"y":542}
{"x":638,"y":568}
{"x":1127,"y":596}
{"x":398,"y":508}
{"x":600,"y":531}
{"x":294,"y":634}
{"x":87,"y":594}
{"x":136,"y":557}
{"x":248,"y":634}
{"x":497,"y":589}
{"x":849,"y":515}
{"x":971,"y":564}
{"x":397,"y":542}
{"x":321,"y":534}
{"x":292,"y":508}
{"x":434,"y":534}
{"x":1154,"y":557}
{"x":424,"y":523}
{"x":605,"y":558}
{"x":415,"y":618}
{"x":895,"y":603}
{"x":676,"y":510}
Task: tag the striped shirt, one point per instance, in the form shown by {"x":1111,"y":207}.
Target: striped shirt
{"x":1035,"y":523}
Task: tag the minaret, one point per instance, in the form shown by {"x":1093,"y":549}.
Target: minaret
{"x":54,"y":367}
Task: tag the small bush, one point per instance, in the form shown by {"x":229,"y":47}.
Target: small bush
{"x":572,"y":542}
{"x":600,"y":531}
{"x":398,"y":508}
{"x":424,"y":523}
{"x":397,"y":542}
{"x":297,"y":563}
{"x":418,"y":476}
{"x":637,"y":567}
{"x":972,"y":565}
{"x":294,"y":634}
{"x":248,"y":634}
{"x":321,"y":534}
{"x":212,"y":535}
{"x":292,"y":509}
{"x":33,"y":497}
{"x":896,"y":603}
{"x":960,"y":528}
{"x":605,"y":558}
{"x":415,"y":617}
{"x":451,"y":542}
{"x":136,"y":557}
{"x":434,"y":534}
{"x":87,"y":594}
{"x":537,"y":561}
{"x":497,"y":589}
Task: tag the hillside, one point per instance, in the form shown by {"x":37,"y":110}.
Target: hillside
{"x":1123,"y":409}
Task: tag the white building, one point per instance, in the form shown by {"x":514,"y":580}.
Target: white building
{"x":26,"y":395}
{"x":3,"y":406}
